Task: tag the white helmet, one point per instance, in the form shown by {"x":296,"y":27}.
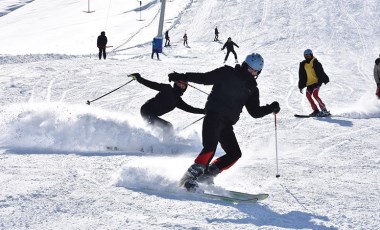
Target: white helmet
{"x":255,"y":61}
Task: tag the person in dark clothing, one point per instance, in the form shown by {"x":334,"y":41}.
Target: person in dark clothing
{"x":376,"y":75}
{"x":311,"y":76}
{"x":165,"y":101}
{"x":102,"y":43}
{"x":185,"y":40}
{"x":167,"y":38}
{"x":233,"y":88}
{"x":216,"y":38}
{"x":230,"y":48}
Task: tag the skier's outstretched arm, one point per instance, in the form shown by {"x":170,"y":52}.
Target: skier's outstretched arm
{"x":256,"y":111}
{"x":149,"y":84}
{"x":208,"y":78}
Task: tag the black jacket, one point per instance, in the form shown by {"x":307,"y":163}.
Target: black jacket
{"x":233,"y":88}
{"x":321,"y":75}
{"x":102,"y":41}
{"x":229,"y":45}
{"x":166,"y":100}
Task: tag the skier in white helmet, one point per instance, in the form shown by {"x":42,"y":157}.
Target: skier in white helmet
{"x":233,"y":88}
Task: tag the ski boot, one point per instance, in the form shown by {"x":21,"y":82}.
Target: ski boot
{"x":314,"y":113}
{"x":324,"y":113}
{"x":189,"y":179}
{"x":209,"y":175}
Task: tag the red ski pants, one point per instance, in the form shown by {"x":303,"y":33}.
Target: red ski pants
{"x":312,"y":91}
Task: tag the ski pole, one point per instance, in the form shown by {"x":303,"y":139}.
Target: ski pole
{"x":88,"y":102}
{"x":198,"y":89}
{"x":275,"y":131}
{"x":193,"y":122}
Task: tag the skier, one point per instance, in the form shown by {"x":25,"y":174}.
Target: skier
{"x":185,"y":39}
{"x":230,"y":48}
{"x":165,"y":101}
{"x":102,"y":43}
{"x":216,"y":38}
{"x":155,"y":48}
{"x":311,"y":76}
{"x":376,"y":74}
{"x":167,"y":38}
{"x":233,"y":88}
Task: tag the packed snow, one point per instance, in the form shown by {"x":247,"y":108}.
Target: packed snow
{"x":69,"y":165}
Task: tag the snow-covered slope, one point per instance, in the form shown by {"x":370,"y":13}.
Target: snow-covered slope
{"x":57,"y":173}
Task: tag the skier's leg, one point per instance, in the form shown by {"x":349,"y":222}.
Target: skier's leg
{"x":210,"y":135}
{"x":234,"y":52}
{"x":104,"y":53}
{"x":310,"y":99}
{"x":322,"y":106}
{"x":228,"y":53}
{"x":230,"y":145}
{"x":211,"y":130}
{"x":100,"y":53}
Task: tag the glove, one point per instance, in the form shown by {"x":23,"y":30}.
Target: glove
{"x":378,"y":85}
{"x":275,"y":107}
{"x":176,"y":76}
{"x":301,"y":91}
{"x":135,"y":76}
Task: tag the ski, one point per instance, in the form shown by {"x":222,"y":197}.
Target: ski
{"x":308,"y":116}
{"x":236,"y":197}
{"x":301,"y":116}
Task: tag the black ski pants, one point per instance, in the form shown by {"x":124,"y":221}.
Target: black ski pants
{"x":154,"y":120}
{"x":217,"y":129}
{"x":228,"y":53}
{"x":102,"y":51}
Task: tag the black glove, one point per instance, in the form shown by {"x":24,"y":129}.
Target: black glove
{"x":275,"y":107}
{"x":378,"y":85}
{"x":135,"y":76}
{"x":176,"y":76}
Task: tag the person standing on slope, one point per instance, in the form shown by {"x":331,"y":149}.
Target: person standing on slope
{"x":376,"y":74}
{"x":165,"y":101}
{"x":216,"y":38}
{"x":311,"y":76}
{"x":230,"y":48}
{"x":233,"y":88}
{"x":185,"y":40}
{"x":102,"y":43}
{"x":167,"y":38}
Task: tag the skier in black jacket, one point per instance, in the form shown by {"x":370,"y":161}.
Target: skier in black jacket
{"x":230,"y":48}
{"x":165,"y":101}
{"x":233,"y":88}
{"x":102,"y":43}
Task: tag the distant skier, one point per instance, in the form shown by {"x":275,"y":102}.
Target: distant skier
{"x":167,"y":38}
{"x":233,"y":88}
{"x":165,"y":101}
{"x":185,"y":40}
{"x":216,"y":38}
{"x":311,"y":76}
{"x":102,"y":43}
{"x":230,"y":48}
{"x":155,"y":48}
{"x":376,"y":74}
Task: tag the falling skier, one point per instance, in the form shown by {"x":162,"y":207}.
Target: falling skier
{"x":233,"y":88}
{"x":311,"y":76}
{"x":165,"y":101}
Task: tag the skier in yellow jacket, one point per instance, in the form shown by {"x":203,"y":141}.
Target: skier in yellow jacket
{"x":311,"y":76}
